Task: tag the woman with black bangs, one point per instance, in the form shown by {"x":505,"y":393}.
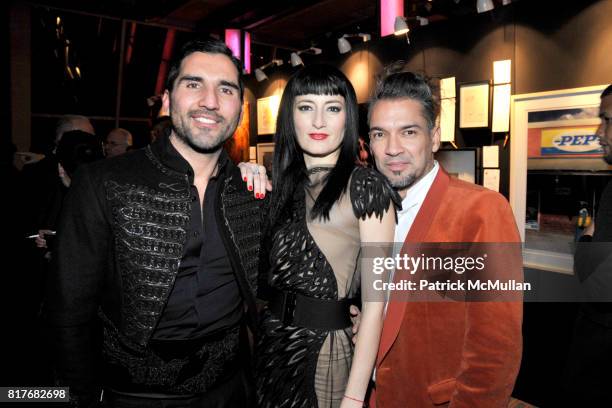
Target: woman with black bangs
{"x":322,"y":209}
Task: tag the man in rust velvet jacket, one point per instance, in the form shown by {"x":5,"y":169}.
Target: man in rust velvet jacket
{"x":440,"y":353}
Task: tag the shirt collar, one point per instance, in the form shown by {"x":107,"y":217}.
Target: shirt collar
{"x":417,"y":192}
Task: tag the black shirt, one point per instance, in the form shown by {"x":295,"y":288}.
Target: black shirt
{"x":205,"y":297}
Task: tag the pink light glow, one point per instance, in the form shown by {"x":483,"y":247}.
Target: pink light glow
{"x":232,"y":40}
{"x":247,"y":52}
{"x":389,"y":9}
{"x":163,"y":66}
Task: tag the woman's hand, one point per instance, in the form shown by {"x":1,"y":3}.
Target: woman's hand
{"x":256,"y":179}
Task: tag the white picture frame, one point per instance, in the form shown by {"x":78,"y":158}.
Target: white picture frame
{"x":521,"y":106}
{"x":474,"y":105}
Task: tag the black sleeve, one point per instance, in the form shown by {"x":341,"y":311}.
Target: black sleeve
{"x":73,"y":287}
{"x":603,"y":219}
{"x":371,"y":193}
{"x":594,"y":255}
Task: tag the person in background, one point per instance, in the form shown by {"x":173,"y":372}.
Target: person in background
{"x":161,"y":126}
{"x":117,"y":142}
{"x":43,"y":179}
{"x":44,"y":186}
{"x":588,"y":375}
{"x":74,"y":149}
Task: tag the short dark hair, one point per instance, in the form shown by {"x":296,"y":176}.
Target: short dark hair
{"x":76,"y":148}
{"x":207,"y":46}
{"x":395,"y":83}
{"x":289,"y":168}
{"x":607,"y":91}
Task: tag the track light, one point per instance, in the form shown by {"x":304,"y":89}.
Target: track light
{"x":297,"y":60}
{"x":260,"y":75}
{"x":483,"y":6}
{"x":423,"y":21}
{"x":344,"y":46}
{"x":400,"y":27}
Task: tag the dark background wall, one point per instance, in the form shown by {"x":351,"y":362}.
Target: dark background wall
{"x":5,"y":106}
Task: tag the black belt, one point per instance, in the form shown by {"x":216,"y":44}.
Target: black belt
{"x":295,"y":309}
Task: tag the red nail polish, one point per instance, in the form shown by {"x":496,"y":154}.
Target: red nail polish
{"x":263,"y":195}
{"x":250,"y":188}
{"x":244,"y":178}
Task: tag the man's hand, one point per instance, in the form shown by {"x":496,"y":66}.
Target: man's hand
{"x":590,"y":230}
{"x":256,"y":179}
{"x":41,"y":241}
{"x":63,"y":175}
{"x":356,"y":319}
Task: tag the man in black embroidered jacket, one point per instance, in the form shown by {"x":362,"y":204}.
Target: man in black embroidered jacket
{"x":161,"y":245}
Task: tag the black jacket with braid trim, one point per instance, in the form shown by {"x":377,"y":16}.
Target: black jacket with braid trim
{"x":120,"y":240}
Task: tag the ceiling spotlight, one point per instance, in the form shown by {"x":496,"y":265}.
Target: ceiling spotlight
{"x":260,"y":75}
{"x":344,"y":46}
{"x":423,"y":21}
{"x":400,"y":26}
{"x":483,"y":6}
{"x":506,"y":2}
{"x":296,"y":59}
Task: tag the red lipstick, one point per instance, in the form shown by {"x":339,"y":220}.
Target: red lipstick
{"x":318,"y":136}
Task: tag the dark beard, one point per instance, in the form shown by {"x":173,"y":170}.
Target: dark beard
{"x":204,"y":150}
{"x":404,"y":183}
{"x":183,"y":133}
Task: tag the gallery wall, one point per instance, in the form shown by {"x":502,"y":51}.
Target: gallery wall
{"x":552,"y":46}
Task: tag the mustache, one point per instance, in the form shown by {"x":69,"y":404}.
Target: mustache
{"x":403,"y":161}
{"x":212,"y":114}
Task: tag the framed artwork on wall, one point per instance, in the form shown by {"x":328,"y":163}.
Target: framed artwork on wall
{"x":267,"y":111}
{"x":474,"y":105}
{"x":265,"y":156}
{"x":460,"y":163}
{"x":237,"y":146}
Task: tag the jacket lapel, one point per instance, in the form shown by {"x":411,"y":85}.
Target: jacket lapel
{"x":417,"y":233}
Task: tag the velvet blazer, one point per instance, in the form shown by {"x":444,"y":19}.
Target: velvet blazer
{"x":457,"y":353}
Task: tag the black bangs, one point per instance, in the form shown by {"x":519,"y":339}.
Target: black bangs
{"x":319,"y":80}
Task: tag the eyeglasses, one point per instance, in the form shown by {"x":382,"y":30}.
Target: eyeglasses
{"x":115,"y":144}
